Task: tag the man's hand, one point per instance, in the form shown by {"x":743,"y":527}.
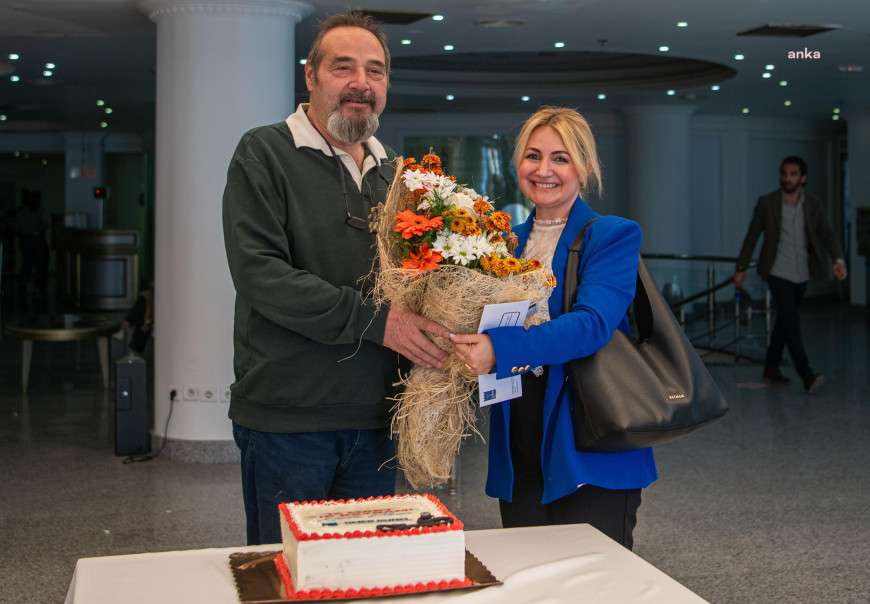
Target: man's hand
{"x":739,"y":278}
{"x":404,"y":334}
{"x":840,"y":271}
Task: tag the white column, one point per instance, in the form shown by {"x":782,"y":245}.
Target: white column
{"x":222,"y":67}
{"x":858,"y":123}
{"x":657,"y":140}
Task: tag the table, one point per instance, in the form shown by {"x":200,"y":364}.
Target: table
{"x":62,"y":328}
{"x":569,"y":563}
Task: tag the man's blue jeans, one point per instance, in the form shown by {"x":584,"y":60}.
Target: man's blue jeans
{"x":787,"y":298}
{"x":309,"y":466}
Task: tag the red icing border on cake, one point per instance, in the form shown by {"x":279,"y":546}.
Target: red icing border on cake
{"x":364,"y":592}
{"x":438,"y":528}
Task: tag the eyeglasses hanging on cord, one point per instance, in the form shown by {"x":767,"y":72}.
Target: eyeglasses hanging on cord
{"x":354,"y":221}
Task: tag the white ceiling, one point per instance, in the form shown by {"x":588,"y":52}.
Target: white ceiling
{"x":104,"y":49}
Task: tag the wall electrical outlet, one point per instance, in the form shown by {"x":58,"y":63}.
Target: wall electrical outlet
{"x":179,"y":393}
{"x":191,"y":393}
{"x":226,"y":394}
{"x":209,"y":395}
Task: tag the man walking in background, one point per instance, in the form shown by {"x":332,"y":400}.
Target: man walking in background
{"x":789,"y":219}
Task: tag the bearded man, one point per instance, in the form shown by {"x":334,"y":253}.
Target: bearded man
{"x":314,"y":359}
{"x":790,"y":220}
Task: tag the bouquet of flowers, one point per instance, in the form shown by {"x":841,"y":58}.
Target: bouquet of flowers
{"x":444,"y":253}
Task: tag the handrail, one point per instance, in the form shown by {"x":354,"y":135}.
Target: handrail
{"x":678,"y":306}
{"x":690,"y":257}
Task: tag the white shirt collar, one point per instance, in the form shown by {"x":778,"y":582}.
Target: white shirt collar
{"x":306,"y":135}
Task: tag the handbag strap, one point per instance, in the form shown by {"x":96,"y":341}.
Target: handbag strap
{"x":643,"y":314}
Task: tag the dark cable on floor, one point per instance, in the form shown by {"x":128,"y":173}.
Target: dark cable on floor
{"x":137,"y":458}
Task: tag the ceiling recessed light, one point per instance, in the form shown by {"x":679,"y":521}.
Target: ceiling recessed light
{"x":448,"y":47}
{"x":2,"y":118}
{"x":787,"y":103}
{"x":525,"y":98}
{"x":783,"y":83}
{"x":744,"y":110}
{"x":437,"y":17}
{"x":47,"y":73}
{"x":303,"y":61}
{"x":835,"y":117}
{"x":664,"y":48}
{"x":602,"y":96}
{"x":766,"y":75}
{"x":769,"y":67}
{"x":14,"y":78}
{"x":50,"y":65}
{"x":405,"y":42}
{"x":739,"y":57}
{"x":836,"y":110}
{"x":559,"y":45}
{"x":682,"y":24}
{"x":715,"y":87}
{"x":104,"y":125}
{"x":13,"y":56}
{"x":100,"y":103}
{"x":672,"y":92}
{"x":108,"y":110}
{"x":450,"y":97}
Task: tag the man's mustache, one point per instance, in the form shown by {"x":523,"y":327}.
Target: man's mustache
{"x":357,"y":98}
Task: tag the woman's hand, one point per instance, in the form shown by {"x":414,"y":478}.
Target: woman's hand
{"x":475,"y":350}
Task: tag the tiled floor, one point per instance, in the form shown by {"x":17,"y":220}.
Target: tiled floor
{"x":768,"y":505}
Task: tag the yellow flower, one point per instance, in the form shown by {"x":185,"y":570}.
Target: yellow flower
{"x":431,"y":162}
{"x":532,"y":265}
{"x":472,"y":229}
{"x":457,"y":225}
{"x":482,"y":207}
{"x":512,"y":265}
{"x":502,"y":220}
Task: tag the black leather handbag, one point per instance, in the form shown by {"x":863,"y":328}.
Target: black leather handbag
{"x":641,"y":391}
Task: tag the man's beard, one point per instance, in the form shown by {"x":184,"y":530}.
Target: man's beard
{"x":788,"y":187}
{"x":348,"y":130}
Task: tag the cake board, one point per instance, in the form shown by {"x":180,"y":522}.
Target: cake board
{"x":258,"y":580}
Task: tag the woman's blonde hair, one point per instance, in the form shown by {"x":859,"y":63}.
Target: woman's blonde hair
{"x":578,"y":139}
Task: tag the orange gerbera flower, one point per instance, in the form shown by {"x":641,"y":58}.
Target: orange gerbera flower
{"x":410,"y":224}
{"x":424,"y":260}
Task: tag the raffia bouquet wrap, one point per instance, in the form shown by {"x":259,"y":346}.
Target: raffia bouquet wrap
{"x":444,"y":253}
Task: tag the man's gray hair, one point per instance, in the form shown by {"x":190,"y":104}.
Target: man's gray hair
{"x":352,"y":18}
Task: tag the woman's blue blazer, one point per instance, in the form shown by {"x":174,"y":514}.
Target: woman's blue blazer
{"x":607,"y":277}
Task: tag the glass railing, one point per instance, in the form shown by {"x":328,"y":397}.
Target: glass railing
{"x":724,"y":324}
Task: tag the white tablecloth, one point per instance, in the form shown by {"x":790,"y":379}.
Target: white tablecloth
{"x":568,"y":563}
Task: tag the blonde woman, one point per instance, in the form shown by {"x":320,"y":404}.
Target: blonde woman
{"x":534,"y":469}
